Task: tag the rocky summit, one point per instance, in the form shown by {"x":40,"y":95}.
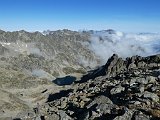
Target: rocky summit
{"x":122,"y":89}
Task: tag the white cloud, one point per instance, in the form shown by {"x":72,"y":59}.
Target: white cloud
{"x":125,"y":45}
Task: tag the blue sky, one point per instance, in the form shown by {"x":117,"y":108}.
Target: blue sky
{"x":122,"y":15}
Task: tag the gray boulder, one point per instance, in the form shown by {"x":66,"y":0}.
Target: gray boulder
{"x":132,"y":66}
{"x":141,"y":116}
{"x":126,"y":116}
{"x":142,"y":64}
{"x":117,"y":89}
{"x":151,"y":79}
{"x":52,"y":117}
{"x":151,"y":96}
{"x":64,"y":116}
{"x":105,"y":108}
{"x":100,"y":100}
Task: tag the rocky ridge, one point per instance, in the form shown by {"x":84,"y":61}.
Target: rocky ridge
{"x":120,"y":90}
{"x":57,"y":53}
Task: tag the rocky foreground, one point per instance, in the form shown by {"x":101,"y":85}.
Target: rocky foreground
{"x":120,"y":90}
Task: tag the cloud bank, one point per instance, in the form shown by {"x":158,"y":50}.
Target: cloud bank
{"x":106,"y":43}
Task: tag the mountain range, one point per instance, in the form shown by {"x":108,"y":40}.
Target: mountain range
{"x":33,"y":65}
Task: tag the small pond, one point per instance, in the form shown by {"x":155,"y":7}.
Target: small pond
{"x":68,"y":80}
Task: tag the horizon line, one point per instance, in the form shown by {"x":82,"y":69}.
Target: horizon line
{"x":78,"y":30}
